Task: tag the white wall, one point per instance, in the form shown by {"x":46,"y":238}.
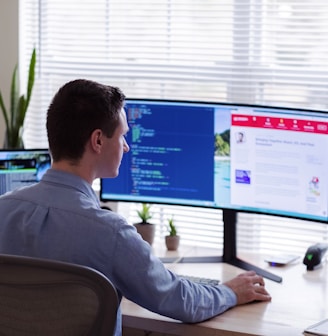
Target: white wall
{"x":9,"y":51}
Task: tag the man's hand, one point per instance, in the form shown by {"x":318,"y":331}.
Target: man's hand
{"x":248,"y":287}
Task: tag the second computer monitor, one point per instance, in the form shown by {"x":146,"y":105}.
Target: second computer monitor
{"x":22,"y":167}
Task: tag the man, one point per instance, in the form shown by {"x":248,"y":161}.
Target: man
{"x":60,"y":217}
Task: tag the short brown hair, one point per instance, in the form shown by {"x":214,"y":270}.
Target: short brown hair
{"x":78,"y":108}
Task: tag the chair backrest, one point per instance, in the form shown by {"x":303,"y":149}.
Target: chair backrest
{"x":47,"y":297}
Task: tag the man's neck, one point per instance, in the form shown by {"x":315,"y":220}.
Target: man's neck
{"x":74,"y":168}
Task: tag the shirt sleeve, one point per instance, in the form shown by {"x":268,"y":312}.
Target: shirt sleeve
{"x":142,"y":278}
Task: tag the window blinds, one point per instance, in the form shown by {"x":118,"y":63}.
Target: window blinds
{"x":270,"y":52}
{"x":266,"y":52}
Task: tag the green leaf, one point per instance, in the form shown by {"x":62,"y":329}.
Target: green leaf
{"x":21,"y":111}
{"x":172,"y":228}
{"x":14,"y":97}
{"x":4,"y":111}
{"x":144,"y":213}
{"x":31,"y":78}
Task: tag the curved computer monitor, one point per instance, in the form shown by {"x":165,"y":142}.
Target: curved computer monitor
{"x":259,"y":159}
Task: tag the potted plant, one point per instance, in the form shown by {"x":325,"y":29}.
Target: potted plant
{"x":172,"y":240}
{"x":145,"y":228}
{"x":15,"y":115}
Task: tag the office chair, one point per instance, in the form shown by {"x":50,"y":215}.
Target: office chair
{"x":52,"y":298}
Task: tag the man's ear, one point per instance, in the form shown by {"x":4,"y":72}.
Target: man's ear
{"x":96,"y":140}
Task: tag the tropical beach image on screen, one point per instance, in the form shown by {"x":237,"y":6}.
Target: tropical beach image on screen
{"x":222,"y":144}
{"x":222,"y":155}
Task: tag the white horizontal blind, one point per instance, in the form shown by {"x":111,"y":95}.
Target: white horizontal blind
{"x":271,"y":234}
{"x":272,"y":52}
{"x":255,"y":233}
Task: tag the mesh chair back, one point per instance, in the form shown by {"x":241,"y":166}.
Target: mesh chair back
{"x":46,"y":297}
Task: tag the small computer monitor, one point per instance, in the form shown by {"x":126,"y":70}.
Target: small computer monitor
{"x":22,"y":167}
{"x":250,"y":158}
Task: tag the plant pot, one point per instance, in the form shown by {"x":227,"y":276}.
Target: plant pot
{"x":147,"y":231}
{"x":172,"y":242}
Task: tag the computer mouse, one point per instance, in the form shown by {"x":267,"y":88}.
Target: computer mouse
{"x":314,"y":254}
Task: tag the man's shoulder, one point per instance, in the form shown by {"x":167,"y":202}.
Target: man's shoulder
{"x":20,"y":192}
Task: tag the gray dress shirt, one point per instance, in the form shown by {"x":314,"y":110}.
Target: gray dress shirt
{"x":60,"y":218}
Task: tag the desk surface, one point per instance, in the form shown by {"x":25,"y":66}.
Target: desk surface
{"x":299,"y":301}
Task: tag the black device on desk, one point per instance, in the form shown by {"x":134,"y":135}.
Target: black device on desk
{"x":314,"y":255}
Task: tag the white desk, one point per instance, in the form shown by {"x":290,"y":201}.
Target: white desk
{"x":299,"y":301}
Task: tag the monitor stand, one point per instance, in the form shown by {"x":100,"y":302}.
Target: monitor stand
{"x":230,"y":249}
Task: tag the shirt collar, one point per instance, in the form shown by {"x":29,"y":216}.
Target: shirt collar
{"x":70,"y":180}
